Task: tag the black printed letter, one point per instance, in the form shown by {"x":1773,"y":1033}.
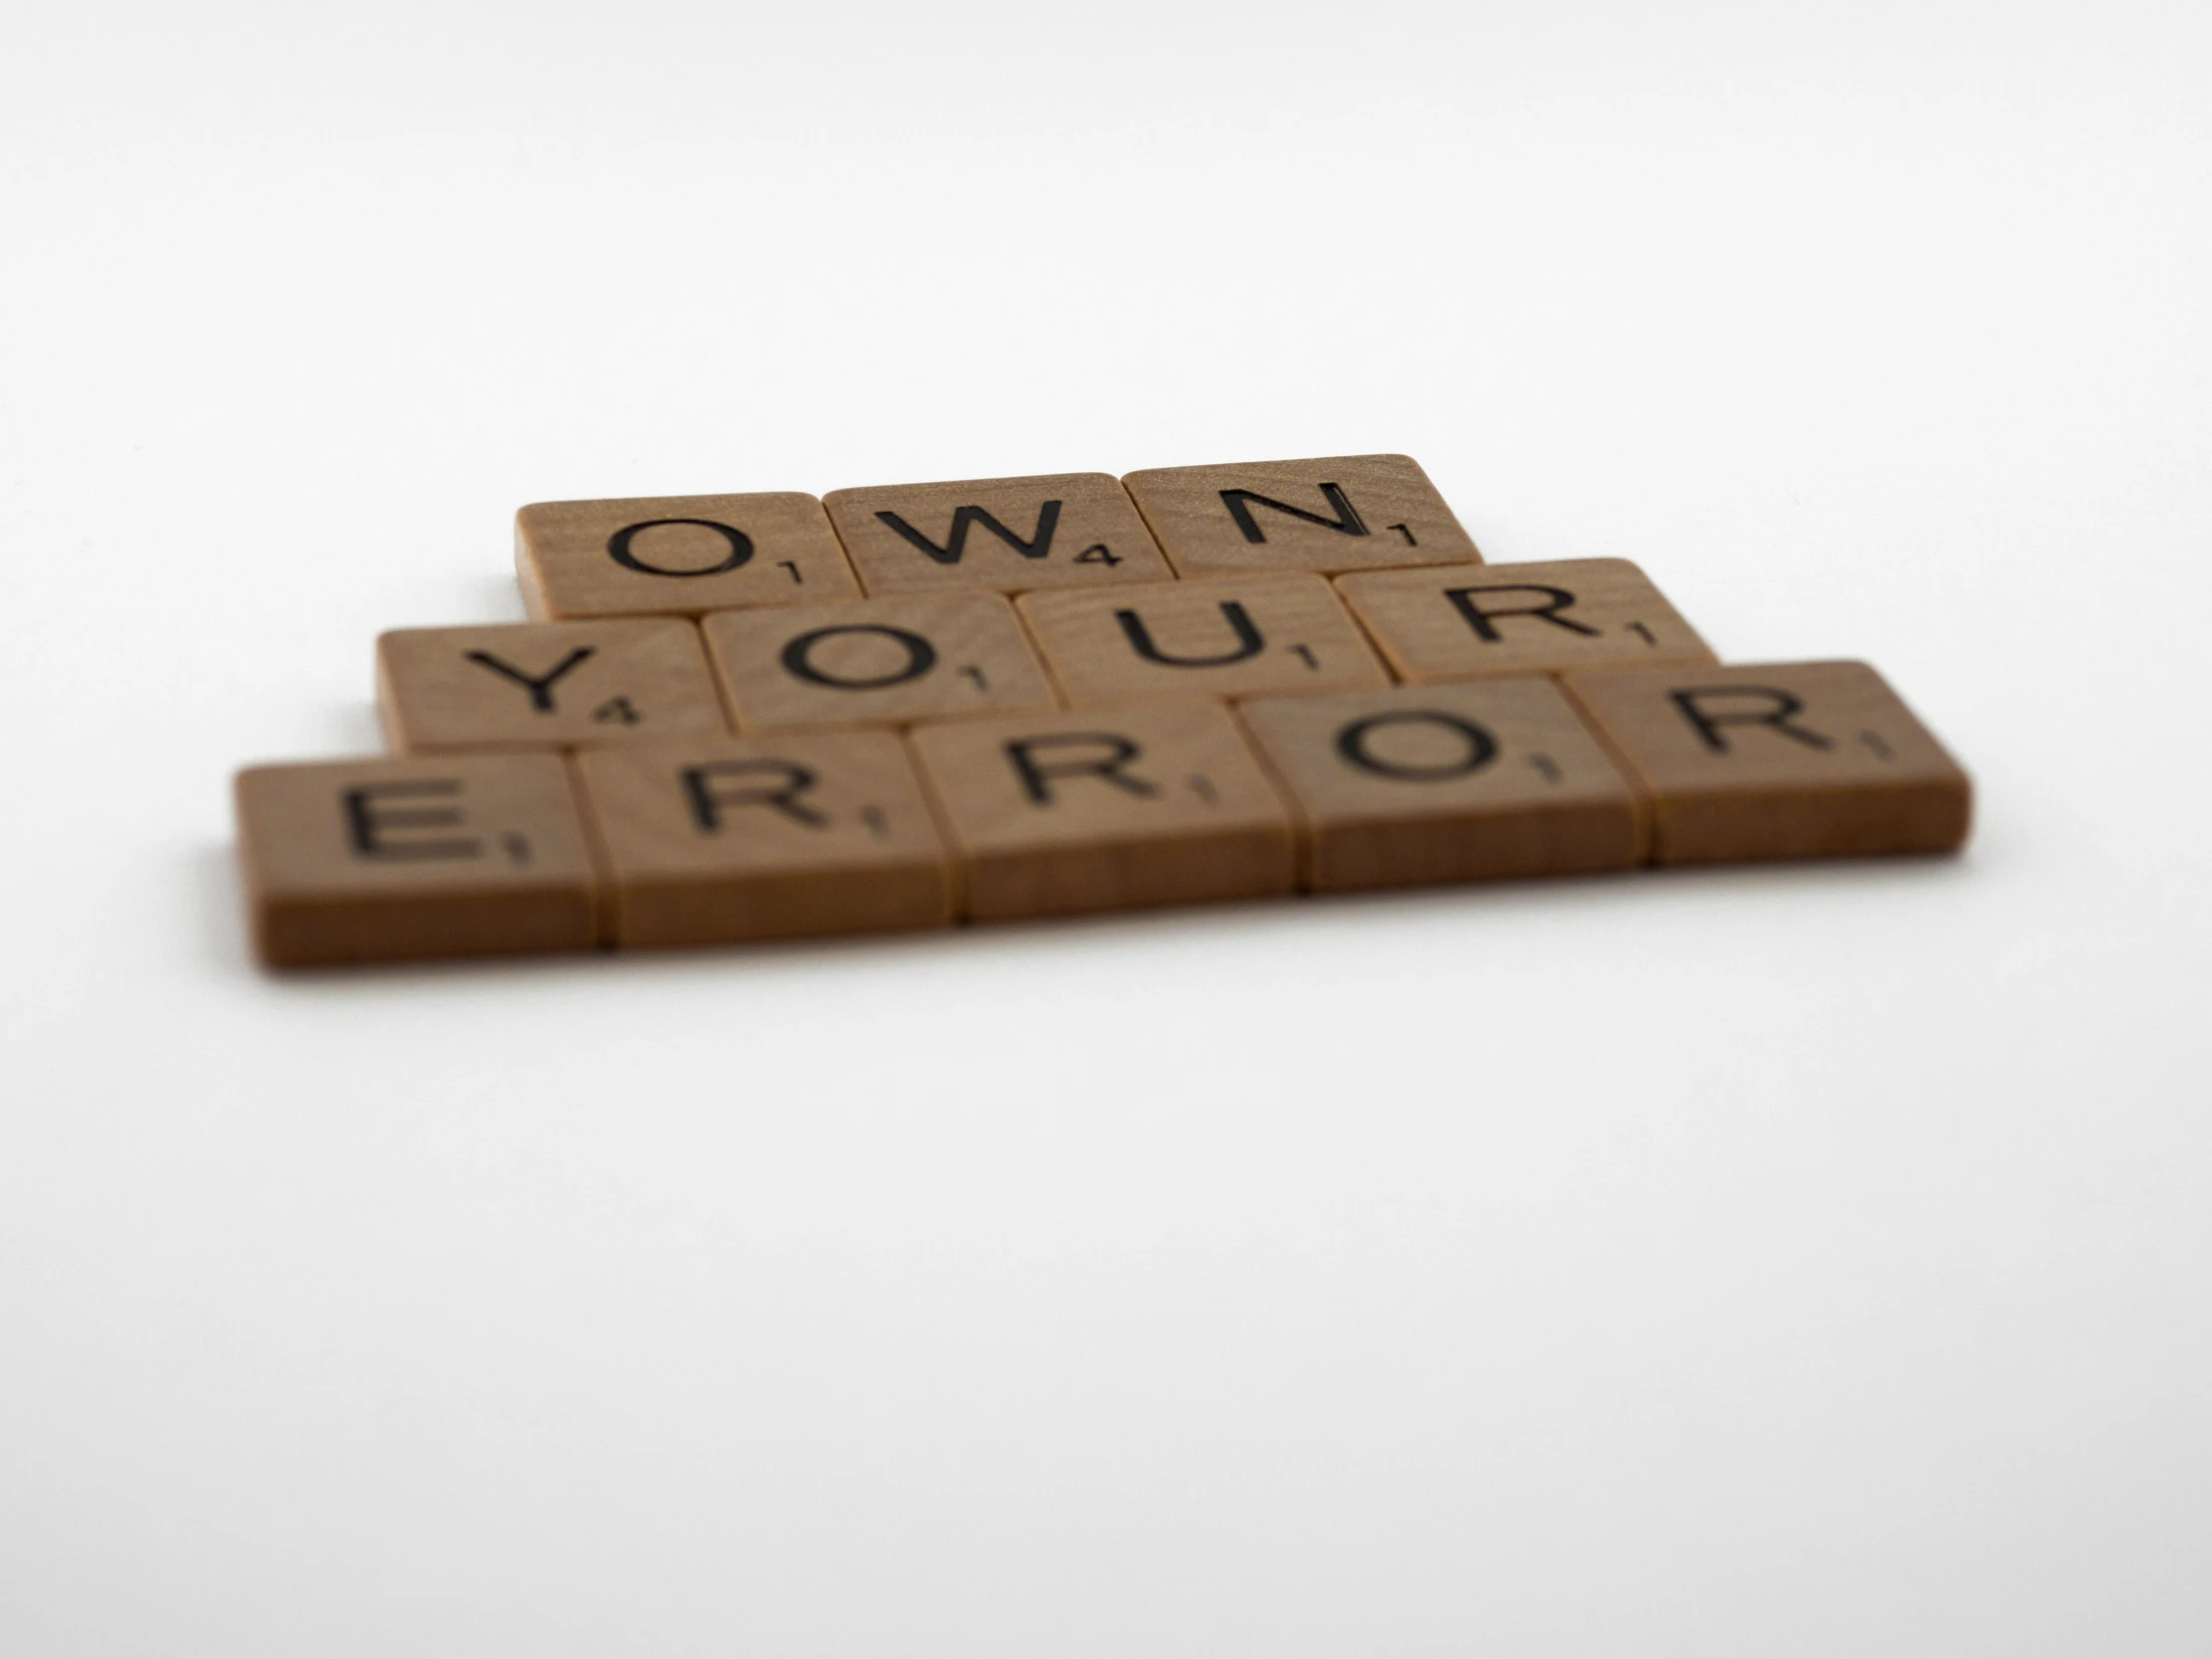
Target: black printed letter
{"x":365,"y":824}
{"x":541,"y":688}
{"x":922,"y":657}
{"x":1481,"y":621}
{"x":1481,"y":748}
{"x":741,"y":547}
{"x":1241,"y":502}
{"x":1249,"y":640}
{"x":793,"y":781}
{"x":1036,"y":547}
{"x":1780,"y":706}
{"x":1036,"y":777}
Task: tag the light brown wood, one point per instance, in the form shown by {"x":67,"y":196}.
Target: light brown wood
{"x":722,"y":840}
{"x":1460,"y":782}
{"x":1453,"y":623}
{"x":677,"y":555}
{"x":543,"y":684}
{"x":1224,"y":636}
{"x":1108,"y":810}
{"x":1777,"y":761}
{"x":1338,"y":513}
{"x":1068,"y":529}
{"x":882,"y":662}
{"x":377,"y":860}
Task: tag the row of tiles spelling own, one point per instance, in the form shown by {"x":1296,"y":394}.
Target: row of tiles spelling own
{"x":687,"y":555}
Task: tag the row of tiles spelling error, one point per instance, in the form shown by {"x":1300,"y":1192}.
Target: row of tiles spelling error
{"x":709,"y":837}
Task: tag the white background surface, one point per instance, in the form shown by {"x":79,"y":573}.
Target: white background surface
{"x":1805,"y":1262}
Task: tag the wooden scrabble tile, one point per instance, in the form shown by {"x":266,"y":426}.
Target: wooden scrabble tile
{"x":859,"y":662}
{"x":1345,"y":512}
{"x":1224,"y":637}
{"x":712,"y":839}
{"x":1071,"y":529}
{"x":1160,"y":804}
{"x":549,"y":685}
{"x":1425,"y":784}
{"x":677,"y":555}
{"x":1777,"y":761}
{"x":1457,"y":623}
{"x":373,"y":860}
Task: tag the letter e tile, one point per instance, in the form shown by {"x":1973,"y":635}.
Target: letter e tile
{"x":368,"y":861}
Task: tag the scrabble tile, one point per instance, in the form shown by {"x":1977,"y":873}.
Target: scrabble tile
{"x":1224,"y":637}
{"x":1346,"y":512}
{"x":543,"y":684}
{"x":859,"y":662}
{"x":677,"y":555}
{"x":709,"y":839}
{"x":1777,"y":761}
{"x":373,"y":860}
{"x":1457,"y":623}
{"x":1425,"y":784}
{"x":1064,"y":530}
{"x":1160,"y":804}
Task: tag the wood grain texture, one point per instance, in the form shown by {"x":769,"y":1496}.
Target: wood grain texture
{"x":379,"y":860}
{"x":1007,"y":535}
{"x":677,"y":555}
{"x":1224,"y":636}
{"x":1458,"y":783}
{"x":543,"y":684}
{"x":1453,"y":623}
{"x":1333,"y":514}
{"x":885,"y":661}
{"x":1108,"y":810}
{"x":721,"y":839}
{"x":1777,"y":761}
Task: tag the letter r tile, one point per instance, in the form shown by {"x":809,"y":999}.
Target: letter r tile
{"x":718,"y":839}
{"x":1777,"y":761}
{"x":1457,"y":623}
{"x":1165,"y":804}
{"x":1345,"y":512}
